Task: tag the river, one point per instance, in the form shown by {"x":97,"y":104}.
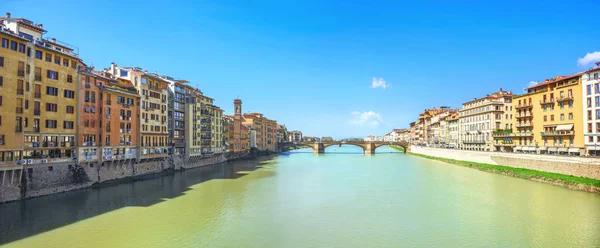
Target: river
{"x":340,"y":199}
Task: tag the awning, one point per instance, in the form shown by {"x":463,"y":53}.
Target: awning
{"x":573,"y":149}
{"x":542,"y":148}
{"x":518,"y":148}
{"x":566,"y":127}
{"x":562,"y":149}
{"x":552,"y":149}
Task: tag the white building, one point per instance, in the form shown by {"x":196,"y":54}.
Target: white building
{"x":480,"y":117}
{"x":591,"y":128}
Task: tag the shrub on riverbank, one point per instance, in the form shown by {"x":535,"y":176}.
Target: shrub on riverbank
{"x":520,"y":172}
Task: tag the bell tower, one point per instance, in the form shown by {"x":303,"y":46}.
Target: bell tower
{"x":237,"y":108}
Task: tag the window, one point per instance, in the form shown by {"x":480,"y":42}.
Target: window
{"x":596,"y":75}
{"x":597,"y":114}
{"x":21,"y":48}
{"x":51,"y":107}
{"x":589,"y":115}
{"x":551,"y":117}
{"x":570,"y":116}
{"x":51,"y":91}
{"x":589,"y":127}
{"x":1,"y":61}
{"x":562,"y":105}
{"x":38,"y":54}
{"x":69,"y":78}
{"x":124,"y":73}
{"x":1,"y":80}
{"x":5,"y":43}
{"x":50,"y":123}
{"x":545,"y":119}
{"x":597,"y":101}
{"x":48,"y":57}
{"x":66,"y":62}
{"x":570,"y":104}
{"x":68,"y":125}
{"x":562,"y":117}
{"x":73,"y":64}
{"x":28,"y":52}
{"x":69,"y":94}
{"x":545,"y":107}
{"x":13,"y":45}
{"x":589,"y":90}
{"x":57,"y":60}
{"x":70,"y":109}
{"x":52,"y":74}
{"x":597,"y":88}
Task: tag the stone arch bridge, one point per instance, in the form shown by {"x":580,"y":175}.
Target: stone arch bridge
{"x":367,"y":146}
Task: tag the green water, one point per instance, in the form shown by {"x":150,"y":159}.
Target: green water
{"x":303,"y":200}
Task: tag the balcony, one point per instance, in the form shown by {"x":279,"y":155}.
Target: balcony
{"x":564,"y":98}
{"x":525,"y":105}
{"x":49,"y":144}
{"x":547,"y":101}
{"x":36,"y":129}
{"x":522,"y":134}
{"x":37,"y":95}
{"x":558,"y":133}
{"x":525,"y":124}
{"x":528,"y":114}
{"x":20,"y":73}
{"x":19,"y":110}
{"x":67,"y":144}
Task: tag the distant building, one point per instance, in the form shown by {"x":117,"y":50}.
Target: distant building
{"x":326,"y":139}
{"x":295,"y":136}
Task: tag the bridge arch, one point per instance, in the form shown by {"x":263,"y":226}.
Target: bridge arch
{"x":368,"y":147}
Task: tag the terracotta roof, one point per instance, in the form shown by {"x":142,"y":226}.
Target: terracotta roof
{"x":556,"y":79}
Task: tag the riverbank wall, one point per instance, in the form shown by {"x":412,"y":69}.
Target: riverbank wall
{"x":574,"y":166}
{"x":36,"y":180}
{"x":580,"y":173}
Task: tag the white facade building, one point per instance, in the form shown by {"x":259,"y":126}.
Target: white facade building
{"x":591,"y":127}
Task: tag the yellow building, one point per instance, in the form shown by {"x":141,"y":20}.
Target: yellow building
{"x":38,"y":95}
{"x":266,"y":131}
{"x":548,"y":118}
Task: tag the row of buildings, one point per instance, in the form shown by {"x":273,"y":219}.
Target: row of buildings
{"x":54,"y":108}
{"x":560,"y":115}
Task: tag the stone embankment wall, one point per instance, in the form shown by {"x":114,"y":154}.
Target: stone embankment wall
{"x":38,"y":180}
{"x":575,"y":166}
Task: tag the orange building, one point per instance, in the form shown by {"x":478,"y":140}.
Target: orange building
{"x":109,"y":118}
{"x":266,"y":130}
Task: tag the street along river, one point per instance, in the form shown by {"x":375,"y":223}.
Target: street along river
{"x":338,"y":199}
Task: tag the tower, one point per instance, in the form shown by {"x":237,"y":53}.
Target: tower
{"x":237,"y":107}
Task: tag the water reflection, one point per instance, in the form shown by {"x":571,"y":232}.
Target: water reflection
{"x":22,"y":219}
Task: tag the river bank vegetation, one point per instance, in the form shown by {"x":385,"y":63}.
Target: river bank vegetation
{"x":572,"y":182}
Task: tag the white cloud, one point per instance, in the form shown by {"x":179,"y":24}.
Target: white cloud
{"x":379,"y":83}
{"x":589,"y":59}
{"x":368,"y":118}
{"x":532,"y":83}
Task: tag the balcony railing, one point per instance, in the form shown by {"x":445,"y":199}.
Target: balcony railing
{"x":525,"y":124}
{"x":525,"y":105}
{"x":88,"y":85}
{"x":37,"y":95}
{"x":558,"y":133}
{"x":547,"y":101}
{"x":38,"y":78}
{"x":49,"y":144}
{"x":564,"y":98}
{"x":36,"y":129}
{"x":108,"y":102}
{"x":20,"y":73}
{"x":36,"y":112}
{"x":523,"y":134}
{"x":19,"y":110}
{"x":19,"y":91}
{"x":88,"y":143}
{"x":523,"y":115}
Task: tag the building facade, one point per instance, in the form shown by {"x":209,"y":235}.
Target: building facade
{"x":38,"y":95}
{"x":295,"y":136}
{"x":479,"y":119}
{"x":591,"y":126}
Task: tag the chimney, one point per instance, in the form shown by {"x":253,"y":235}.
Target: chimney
{"x":54,"y":40}
{"x":500,"y":89}
{"x":7,"y":15}
{"x":40,"y":26}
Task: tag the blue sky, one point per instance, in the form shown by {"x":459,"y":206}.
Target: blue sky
{"x":311,"y":64}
